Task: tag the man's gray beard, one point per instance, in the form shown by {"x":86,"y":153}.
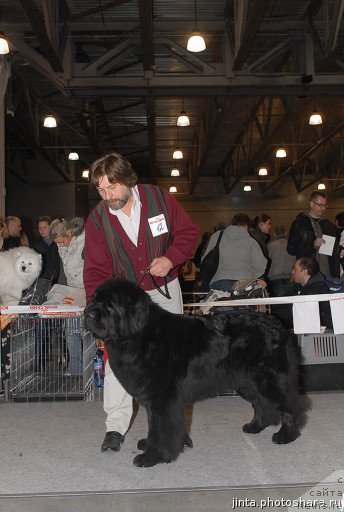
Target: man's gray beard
{"x":118,"y":204}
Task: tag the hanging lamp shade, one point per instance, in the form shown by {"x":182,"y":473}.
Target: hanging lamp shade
{"x":321,"y":186}
{"x":196,"y":42}
{"x":175,"y":172}
{"x":173,"y":189}
{"x":281,"y":153}
{"x":4,"y":49}
{"x":183,"y":119}
{"x":263,"y":171}
{"x":247,"y":187}
{"x":49,"y":122}
{"x":85,"y":173}
{"x":315,"y":119}
{"x":73,"y":156}
{"x":177,"y":154}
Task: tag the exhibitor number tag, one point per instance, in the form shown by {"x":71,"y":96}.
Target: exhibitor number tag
{"x":158,"y":225}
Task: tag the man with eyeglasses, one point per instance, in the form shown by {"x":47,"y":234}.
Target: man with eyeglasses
{"x":306,"y":235}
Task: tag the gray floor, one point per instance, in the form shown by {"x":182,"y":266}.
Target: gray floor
{"x":51,"y":459}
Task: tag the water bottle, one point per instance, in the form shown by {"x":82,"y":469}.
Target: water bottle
{"x":98,"y":375}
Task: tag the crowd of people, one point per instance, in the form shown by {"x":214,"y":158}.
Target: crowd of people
{"x":141,"y":233}
{"x":61,"y":245}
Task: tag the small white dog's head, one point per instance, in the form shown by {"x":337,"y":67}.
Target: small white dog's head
{"x":28,"y":263}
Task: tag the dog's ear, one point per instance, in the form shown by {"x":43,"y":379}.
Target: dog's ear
{"x":131,"y":319}
{"x":140,"y":313}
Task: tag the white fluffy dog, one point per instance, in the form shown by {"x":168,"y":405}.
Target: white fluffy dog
{"x":19,"y":269}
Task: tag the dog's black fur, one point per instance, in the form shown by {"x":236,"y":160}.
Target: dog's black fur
{"x":165,"y":360}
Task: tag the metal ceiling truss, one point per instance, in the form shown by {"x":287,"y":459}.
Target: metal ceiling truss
{"x":247,"y":36}
{"x":205,"y":135}
{"x":324,"y":140}
{"x":26,"y":138}
{"x":285,"y":67}
{"x":260,"y":129}
{"x":327,"y":40}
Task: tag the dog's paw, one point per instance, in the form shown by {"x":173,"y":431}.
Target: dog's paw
{"x":252,"y":428}
{"x":141,"y":444}
{"x":285,"y":437}
{"x":149,"y":459}
{"x":188,"y":441}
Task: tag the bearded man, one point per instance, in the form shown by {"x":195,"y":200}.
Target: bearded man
{"x":142,"y":234}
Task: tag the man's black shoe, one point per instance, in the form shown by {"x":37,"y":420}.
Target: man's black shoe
{"x":112,"y":441}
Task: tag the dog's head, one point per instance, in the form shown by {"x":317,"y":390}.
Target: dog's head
{"x":117,"y":310}
{"x":27,"y":263}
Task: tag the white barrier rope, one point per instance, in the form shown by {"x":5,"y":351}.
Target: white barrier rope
{"x":48,"y":309}
{"x":270,"y":300}
{"x":53,"y":309}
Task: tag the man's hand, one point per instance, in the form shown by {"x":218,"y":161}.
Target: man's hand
{"x":318,"y":242}
{"x":100,"y":344}
{"x":5,"y":320}
{"x":160,"y":267}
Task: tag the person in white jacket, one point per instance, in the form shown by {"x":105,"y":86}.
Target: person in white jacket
{"x":240,"y":255}
{"x":70,"y":239}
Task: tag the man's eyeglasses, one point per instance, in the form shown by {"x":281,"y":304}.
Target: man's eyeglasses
{"x":320,"y":205}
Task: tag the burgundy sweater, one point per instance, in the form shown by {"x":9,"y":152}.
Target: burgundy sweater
{"x":97,"y":258}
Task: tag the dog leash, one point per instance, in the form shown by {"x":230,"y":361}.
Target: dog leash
{"x":165,"y":293}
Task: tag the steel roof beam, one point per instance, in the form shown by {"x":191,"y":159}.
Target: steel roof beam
{"x":146,"y":30}
{"x":108,"y":56}
{"x":308,"y":153}
{"x":35,"y":20}
{"x":100,"y":8}
{"x":336,"y":21}
{"x":151,"y":131}
{"x":252,"y":28}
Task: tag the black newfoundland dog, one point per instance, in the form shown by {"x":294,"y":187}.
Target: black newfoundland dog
{"x":165,"y":360}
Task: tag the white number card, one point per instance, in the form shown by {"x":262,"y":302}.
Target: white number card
{"x":158,"y":225}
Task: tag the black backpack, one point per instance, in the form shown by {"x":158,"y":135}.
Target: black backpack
{"x":209,"y":265}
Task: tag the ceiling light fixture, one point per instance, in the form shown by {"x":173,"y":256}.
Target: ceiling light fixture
{"x":177,"y":154}
{"x":85,"y":173}
{"x":73,"y":156}
{"x":321,"y":186}
{"x":263,"y":171}
{"x":4,"y":49}
{"x":315,"y":118}
{"x":175,"y":172}
{"x":49,"y":122}
{"x":196,"y":42}
{"x":247,"y":187}
{"x":183,"y":119}
{"x":281,"y":153}
{"x":173,"y":189}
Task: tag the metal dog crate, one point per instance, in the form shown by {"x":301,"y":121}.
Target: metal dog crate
{"x":40,"y":358}
{"x":322,"y":366}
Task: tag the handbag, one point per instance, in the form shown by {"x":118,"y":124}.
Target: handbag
{"x":242,"y":289}
{"x":37,"y":293}
{"x":209,"y":265}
